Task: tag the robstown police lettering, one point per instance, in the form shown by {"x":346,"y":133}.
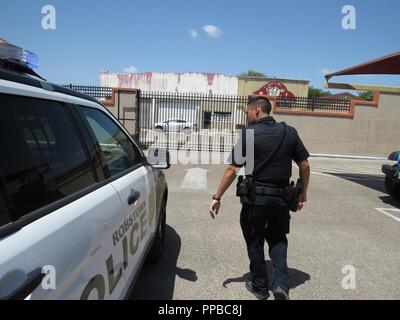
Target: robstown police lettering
{"x":130,"y":233}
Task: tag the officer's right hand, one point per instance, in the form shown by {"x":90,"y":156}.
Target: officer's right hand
{"x":302,"y":201}
{"x":214,"y":208}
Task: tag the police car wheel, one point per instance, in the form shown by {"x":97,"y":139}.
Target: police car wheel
{"x":390,"y":185}
{"x":157,"y":248}
{"x":396,"y":193}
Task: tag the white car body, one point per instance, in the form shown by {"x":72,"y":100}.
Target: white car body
{"x":95,"y":242}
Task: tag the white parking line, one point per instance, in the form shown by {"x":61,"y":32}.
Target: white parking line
{"x":384,"y":211}
{"x":350,"y":177}
{"x":323,"y":174}
{"x":350,"y":169}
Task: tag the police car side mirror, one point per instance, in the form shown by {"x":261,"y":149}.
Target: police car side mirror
{"x":158,"y":158}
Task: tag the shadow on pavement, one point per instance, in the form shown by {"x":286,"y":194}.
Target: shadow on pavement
{"x":296,"y":277}
{"x":390,"y":201}
{"x":157,"y":281}
{"x":367,"y":180}
{"x":371,"y":181}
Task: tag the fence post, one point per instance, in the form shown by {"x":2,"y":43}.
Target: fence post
{"x":118,"y":115}
{"x":137,"y":122}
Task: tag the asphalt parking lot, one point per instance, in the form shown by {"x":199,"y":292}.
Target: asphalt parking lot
{"x":349,"y":220}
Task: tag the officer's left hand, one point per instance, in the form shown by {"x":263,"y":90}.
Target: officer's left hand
{"x":214,"y":208}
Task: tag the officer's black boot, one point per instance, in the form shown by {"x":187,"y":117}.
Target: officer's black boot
{"x":260,"y":295}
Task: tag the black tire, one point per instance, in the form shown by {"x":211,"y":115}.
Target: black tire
{"x":389,"y":185}
{"x":396,"y":193}
{"x":157,"y":249}
{"x":392,"y":188}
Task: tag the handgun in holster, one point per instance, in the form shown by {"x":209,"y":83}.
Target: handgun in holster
{"x":245,"y":189}
{"x":292,"y":194}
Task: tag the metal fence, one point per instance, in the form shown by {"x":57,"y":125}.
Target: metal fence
{"x":97,"y":92}
{"x":191,"y":121}
{"x":296,"y":103}
{"x":313,"y":104}
{"x":194,"y":121}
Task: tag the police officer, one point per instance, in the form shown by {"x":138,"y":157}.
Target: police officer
{"x":268,"y":217}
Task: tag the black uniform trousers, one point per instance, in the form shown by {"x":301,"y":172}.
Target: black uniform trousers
{"x":269,"y":220}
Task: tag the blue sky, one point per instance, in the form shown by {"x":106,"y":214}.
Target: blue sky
{"x":288,"y":39}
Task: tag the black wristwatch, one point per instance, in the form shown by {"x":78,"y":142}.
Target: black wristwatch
{"x":215,"y":198}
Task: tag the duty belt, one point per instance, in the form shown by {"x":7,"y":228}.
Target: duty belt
{"x":269,"y":191}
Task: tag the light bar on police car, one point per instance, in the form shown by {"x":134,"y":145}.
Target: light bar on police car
{"x":18,"y":55}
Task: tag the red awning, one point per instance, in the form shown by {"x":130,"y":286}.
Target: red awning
{"x":386,"y":65}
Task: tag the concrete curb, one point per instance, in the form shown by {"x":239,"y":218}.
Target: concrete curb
{"x":313,"y":155}
{"x":320,"y":155}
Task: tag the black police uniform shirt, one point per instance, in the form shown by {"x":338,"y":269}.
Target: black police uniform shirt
{"x":267,"y":135}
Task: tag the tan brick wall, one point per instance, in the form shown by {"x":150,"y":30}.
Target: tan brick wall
{"x":374,"y":131}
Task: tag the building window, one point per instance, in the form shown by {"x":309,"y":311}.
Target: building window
{"x":221,"y":117}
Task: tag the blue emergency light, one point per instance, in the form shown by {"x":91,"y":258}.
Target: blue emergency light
{"x":21,"y":56}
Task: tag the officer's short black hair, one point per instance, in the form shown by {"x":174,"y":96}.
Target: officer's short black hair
{"x":262,"y":102}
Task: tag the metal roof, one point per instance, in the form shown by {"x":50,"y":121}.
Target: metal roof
{"x":389,"y":64}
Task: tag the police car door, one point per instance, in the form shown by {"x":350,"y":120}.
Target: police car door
{"x":135,"y":185}
{"x":58,"y":217}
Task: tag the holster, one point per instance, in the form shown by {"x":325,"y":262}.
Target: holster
{"x":291,"y":195}
{"x":245,"y":189}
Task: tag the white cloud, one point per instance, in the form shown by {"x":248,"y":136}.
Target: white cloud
{"x":193,"y":33}
{"x":212,"y":31}
{"x":131,"y":69}
{"x":325,"y":71}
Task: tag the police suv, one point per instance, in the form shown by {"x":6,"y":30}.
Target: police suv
{"x":81,"y":207}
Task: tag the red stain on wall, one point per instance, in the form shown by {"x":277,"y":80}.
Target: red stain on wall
{"x":124,"y":80}
{"x":210,"y":78}
{"x":145,"y":80}
{"x":149,"y":78}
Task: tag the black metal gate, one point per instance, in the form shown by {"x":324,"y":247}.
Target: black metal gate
{"x":190,"y":121}
{"x":193,"y":121}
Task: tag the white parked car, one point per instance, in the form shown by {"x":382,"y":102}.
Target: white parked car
{"x":176,"y":125}
{"x":80,"y":205}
